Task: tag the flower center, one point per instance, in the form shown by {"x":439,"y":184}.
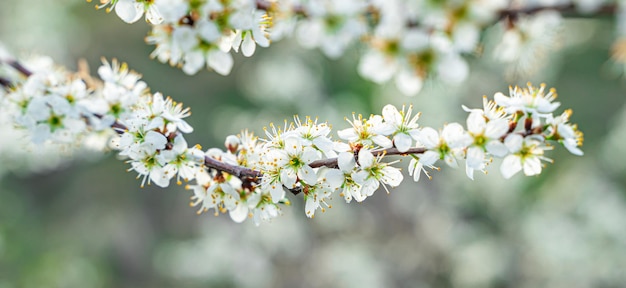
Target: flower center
{"x":295,"y":162}
{"x":480,"y":141}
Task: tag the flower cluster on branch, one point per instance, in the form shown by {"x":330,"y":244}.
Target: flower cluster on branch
{"x":251,"y":176}
{"x":404,"y":41}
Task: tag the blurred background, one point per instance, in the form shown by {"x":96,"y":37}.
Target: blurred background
{"x":86,"y":223}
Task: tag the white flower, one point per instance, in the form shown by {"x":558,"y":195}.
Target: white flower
{"x":566,"y":133}
{"x":316,"y":196}
{"x":145,"y":163}
{"x":248,"y":37}
{"x":447,"y":146}
{"x":270,"y":182}
{"x":365,"y":131}
{"x":418,"y":164}
{"x":118,"y":73}
{"x":486,"y":137}
{"x":243,"y":206}
{"x":372,"y":172}
{"x":310,"y":133}
{"x":377,"y":67}
{"x":409,"y":82}
{"x":342,"y":178}
{"x":171,"y":10}
{"x":216,"y":59}
{"x":490,"y":110}
{"x":530,"y":100}
{"x":525,"y":46}
{"x":332,"y":25}
{"x":264,"y":211}
{"x":181,"y":160}
{"x":452,"y":68}
{"x":131,"y":10}
{"x":526,"y":153}
{"x":294,"y":163}
{"x":165,"y":113}
{"x":403,"y":127}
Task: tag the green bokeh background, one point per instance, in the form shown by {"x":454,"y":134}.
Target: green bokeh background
{"x":88,"y":224}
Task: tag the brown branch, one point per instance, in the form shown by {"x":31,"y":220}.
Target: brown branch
{"x":567,"y":9}
{"x":19,"y":67}
{"x":515,"y":12}
{"x":332,"y":162}
{"x":237,"y":171}
{"x":6,"y":83}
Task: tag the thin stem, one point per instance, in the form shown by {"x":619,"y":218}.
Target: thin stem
{"x":332,"y":162}
{"x":237,"y":171}
{"x":19,"y":67}
{"x":568,"y":9}
{"x":513,"y":13}
{"x":5,"y":82}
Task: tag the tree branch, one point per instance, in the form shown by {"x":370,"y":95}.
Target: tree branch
{"x":569,"y":9}
{"x":19,"y":67}
{"x":255,"y":175}
{"x":5,"y":82}
{"x":332,"y":162}
{"x":237,"y":171}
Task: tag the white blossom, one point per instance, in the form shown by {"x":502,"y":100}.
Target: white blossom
{"x":526,"y":154}
{"x":486,"y":139}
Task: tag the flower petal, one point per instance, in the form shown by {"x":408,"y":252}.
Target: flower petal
{"x":288,"y":177}
{"x":496,"y":128}
{"x":240,"y":213}
{"x":248,"y":46}
{"x":221,"y":62}
{"x":392,"y":176}
{"x":334,"y":178}
{"x":128,"y":10}
{"x":307,"y":174}
{"x":514,"y":142}
{"x":366,"y":158}
{"x":276,"y":191}
{"x":475,"y":158}
{"x":496,"y":148}
{"x":476,"y":123}
{"x":391,"y":115}
{"x":510,"y":166}
{"x":532,"y":166}
{"x":403,"y":142}
{"x":345,"y":161}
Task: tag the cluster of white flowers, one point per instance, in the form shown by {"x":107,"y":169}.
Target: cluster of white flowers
{"x":301,"y":157}
{"x":57,"y":107}
{"x":252,"y":176}
{"x":197,"y":34}
{"x":51,"y":104}
{"x":407,"y":41}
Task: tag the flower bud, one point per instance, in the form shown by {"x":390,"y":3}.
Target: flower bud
{"x":232,"y":143}
{"x":214,"y":153}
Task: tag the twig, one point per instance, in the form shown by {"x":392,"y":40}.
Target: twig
{"x":5,"y":82}
{"x":237,"y":171}
{"x":567,"y":9}
{"x":332,"y":162}
{"x":19,"y":67}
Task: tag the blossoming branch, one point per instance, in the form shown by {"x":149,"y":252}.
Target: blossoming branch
{"x":405,"y":41}
{"x":251,"y":176}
